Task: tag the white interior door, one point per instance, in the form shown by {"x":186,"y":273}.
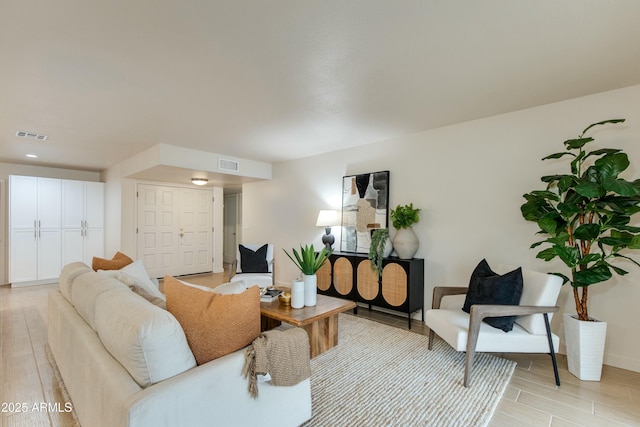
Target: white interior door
{"x":196,"y":232}
{"x":158,"y":229}
{"x":230,"y":227}
{"x":175,"y":230}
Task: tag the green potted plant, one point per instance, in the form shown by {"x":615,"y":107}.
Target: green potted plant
{"x":405,"y":241}
{"x":309,"y":262}
{"x":585,"y":216}
{"x":380,"y":248}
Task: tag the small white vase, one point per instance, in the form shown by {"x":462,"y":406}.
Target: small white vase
{"x":310,"y":289}
{"x":406,"y":243}
{"x":585,"y":347}
{"x":297,"y":294}
{"x":388,"y":247}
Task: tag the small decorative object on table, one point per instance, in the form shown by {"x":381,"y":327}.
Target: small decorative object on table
{"x":285,"y":298}
{"x":297,"y":294}
{"x":269,"y":294}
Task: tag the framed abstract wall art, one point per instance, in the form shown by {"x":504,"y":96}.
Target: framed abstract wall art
{"x":365,"y":207}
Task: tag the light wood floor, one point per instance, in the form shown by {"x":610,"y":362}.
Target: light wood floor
{"x":532,"y":399}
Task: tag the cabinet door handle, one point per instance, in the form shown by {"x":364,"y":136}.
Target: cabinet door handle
{"x":35,"y":229}
{"x":39,"y":230}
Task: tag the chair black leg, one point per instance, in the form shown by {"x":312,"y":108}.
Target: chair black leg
{"x":552,"y":352}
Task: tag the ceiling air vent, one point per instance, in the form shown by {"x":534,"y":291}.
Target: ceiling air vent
{"x":228,"y":165}
{"x":31,"y":135}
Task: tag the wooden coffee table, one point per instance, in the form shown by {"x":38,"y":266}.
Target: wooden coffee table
{"x":320,"y":321}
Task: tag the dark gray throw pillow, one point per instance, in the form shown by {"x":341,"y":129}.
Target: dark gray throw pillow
{"x":488,"y":287}
{"x":253,"y":261}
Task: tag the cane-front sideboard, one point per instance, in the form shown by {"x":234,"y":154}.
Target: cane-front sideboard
{"x":399,"y":288}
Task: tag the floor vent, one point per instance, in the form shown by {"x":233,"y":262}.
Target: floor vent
{"x":228,"y":165}
{"x":31,"y":135}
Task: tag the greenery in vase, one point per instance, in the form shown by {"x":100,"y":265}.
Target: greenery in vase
{"x":376,"y":250}
{"x":404,"y":216}
{"x":307,"y":260}
{"x":586,"y":215}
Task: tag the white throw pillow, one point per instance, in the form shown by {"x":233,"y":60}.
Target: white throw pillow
{"x":135,"y":273}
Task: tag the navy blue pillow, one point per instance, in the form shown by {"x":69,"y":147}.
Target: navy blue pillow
{"x":488,"y":287}
{"x":253,"y":261}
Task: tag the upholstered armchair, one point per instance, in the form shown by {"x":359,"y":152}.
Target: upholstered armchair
{"x":467,"y":332}
{"x":254,"y":265}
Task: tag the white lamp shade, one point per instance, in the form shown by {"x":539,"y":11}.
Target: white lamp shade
{"x":327,"y":218}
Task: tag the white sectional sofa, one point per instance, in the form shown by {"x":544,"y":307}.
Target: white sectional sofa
{"x":126,"y":362}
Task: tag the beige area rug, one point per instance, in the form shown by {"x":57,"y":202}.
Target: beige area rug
{"x":63,"y":388}
{"x":379,"y":375}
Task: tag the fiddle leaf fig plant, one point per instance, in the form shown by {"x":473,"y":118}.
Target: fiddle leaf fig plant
{"x":586,"y":214}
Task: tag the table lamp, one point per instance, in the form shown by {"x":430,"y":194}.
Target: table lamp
{"x":327,"y":219}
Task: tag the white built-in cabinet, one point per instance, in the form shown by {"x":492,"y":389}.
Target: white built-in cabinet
{"x":82,"y":221}
{"x":38,"y":239}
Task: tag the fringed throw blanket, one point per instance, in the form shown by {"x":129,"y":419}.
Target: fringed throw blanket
{"x":284,"y":355}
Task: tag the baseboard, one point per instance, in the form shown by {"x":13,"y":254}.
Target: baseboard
{"x":622,"y":362}
{"x":34,"y":283}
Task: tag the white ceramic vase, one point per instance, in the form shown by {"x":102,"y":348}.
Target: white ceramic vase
{"x":310,"y":289}
{"x":388,"y":248}
{"x":406,"y":243}
{"x":297,"y":294}
{"x":585,"y":347}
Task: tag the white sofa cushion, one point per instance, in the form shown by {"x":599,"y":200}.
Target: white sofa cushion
{"x":147,"y":340}
{"x":85,"y":290}
{"x":452,"y":325}
{"x":69,"y":274}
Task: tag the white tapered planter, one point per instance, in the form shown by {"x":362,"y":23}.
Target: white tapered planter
{"x":585,"y":347}
{"x":310,"y":289}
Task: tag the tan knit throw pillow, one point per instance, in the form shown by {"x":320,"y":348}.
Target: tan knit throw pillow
{"x":215,"y":324}
{"x":118,"y":261}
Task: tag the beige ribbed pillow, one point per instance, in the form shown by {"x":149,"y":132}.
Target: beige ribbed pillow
{"x":118,"y":261}
{"x":214,"y":324}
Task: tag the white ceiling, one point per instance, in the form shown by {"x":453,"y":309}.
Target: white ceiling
{"x":276,"y":80}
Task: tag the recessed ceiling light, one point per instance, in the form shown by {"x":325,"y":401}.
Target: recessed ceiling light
{"x":32,"y":156}
{"x":31,"y":135}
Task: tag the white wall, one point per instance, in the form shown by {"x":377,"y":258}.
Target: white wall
{"x":469,"y":180}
